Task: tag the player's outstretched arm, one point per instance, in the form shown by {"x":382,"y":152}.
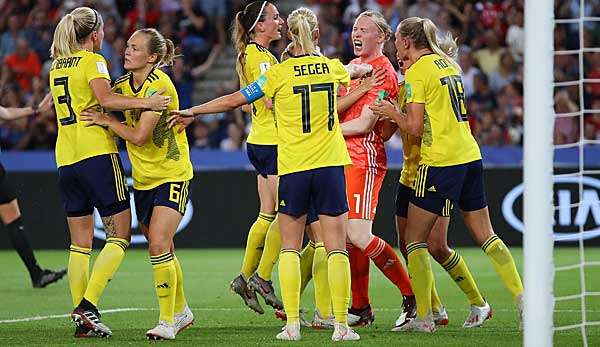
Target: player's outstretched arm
{"x":222,"y":104}
{"x":113,"y":101}
{"x":13,"y":113}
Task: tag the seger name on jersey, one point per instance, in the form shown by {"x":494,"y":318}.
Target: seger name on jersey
{"x":63,"y":63}
{"x":311,"y":69}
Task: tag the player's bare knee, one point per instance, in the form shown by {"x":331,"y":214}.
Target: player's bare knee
{"x":439,"y":251}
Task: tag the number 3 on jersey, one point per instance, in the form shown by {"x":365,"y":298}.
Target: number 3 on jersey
{"x":304,"y":91}
{"x":457,"y":96}
{"x":65,"y":99}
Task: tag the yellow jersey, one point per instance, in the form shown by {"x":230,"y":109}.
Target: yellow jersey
{"x":304,"y":92}
{"x":258,"y":60}
{"x":447,"y":138}
{"x":165,"y":157}
{"x":70,"y":79}
{"x":411,"y":146}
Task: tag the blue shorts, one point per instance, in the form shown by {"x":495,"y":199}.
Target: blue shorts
{"x":7,"y":193}
{"x":311,"y":216}
{"x":263,"y":158}
{"x":323,"y":189}
{"x":171,"y":194}
{"x":438,"y":188}
{"x":94,"y":182}
{"x":403,"y":194}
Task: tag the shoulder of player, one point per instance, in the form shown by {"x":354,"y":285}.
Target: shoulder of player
{"x":159,"y":79}
{"x":122,"y":79}
{"x":91,"y":56}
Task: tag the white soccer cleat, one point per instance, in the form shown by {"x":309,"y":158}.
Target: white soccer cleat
{"x":163,"y":331}
{"x":183,"y":319}
{"x":440,"y":317}
{"x":290,"y":332}
{"x":322,"y":323}
{"x":426,"y":325}
{"x":343,"y":332}
{"x":478,"y":315}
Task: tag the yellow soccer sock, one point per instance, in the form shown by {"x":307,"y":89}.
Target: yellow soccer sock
{"x":421,"y":276}
{"x":436,"y":303}
{"x":165,"y":283}
{"x":105,"y":266}
{"x":321,"y":279}
{"x":306,"y":265}
{"x":255,"y":243}
{"x":180,"y":301}
{"x":270,"y":252}
{"x":78,"y":272}
{"x":504,"y":264}
{"x":289,"y":281}
{"x":458,"y":270}
{"x":338,"y":275}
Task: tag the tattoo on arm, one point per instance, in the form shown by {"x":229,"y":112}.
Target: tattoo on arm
{"x":109,"y":226}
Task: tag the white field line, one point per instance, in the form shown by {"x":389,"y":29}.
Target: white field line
{"x":133,"y":309}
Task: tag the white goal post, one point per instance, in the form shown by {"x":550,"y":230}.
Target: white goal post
{"x":538,"y":210}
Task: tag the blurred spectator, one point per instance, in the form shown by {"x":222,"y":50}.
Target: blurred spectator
{"x":566,"y":128}
{"x":483,"y":95}
{"x":469,"y":73}
{"x":488,"y":58}
{"x":145,"y":14}
{"x":515,"y":36}
{"x":8,"y":40}
{"x":23,"y":64}
{"x":234,"y":139}
{"x":200,"y":135}
{"x":424,"y":9}
{"x":505,"y":73}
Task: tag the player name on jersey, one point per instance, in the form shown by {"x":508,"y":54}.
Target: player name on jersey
{"x":311,"y":69}
{"x":63,"y":63}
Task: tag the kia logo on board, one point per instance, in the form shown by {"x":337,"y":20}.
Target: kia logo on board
{"x":138,"y":238}
{"x":570,"y":216}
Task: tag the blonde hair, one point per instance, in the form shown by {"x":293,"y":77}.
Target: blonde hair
{"x":423,"y":33}
{"x":379,"y":21}
{"x":302,"y":23}
{"x":157,"y":44}
{"x":243,"y":27}
{"x":73,"y":29}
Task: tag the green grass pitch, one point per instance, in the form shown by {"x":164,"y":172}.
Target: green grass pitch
{"x":221,"y":318}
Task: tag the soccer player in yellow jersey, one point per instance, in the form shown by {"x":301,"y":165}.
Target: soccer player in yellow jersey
{"x":437,"y":241}
{"x":450,"y":168}
{"x":90,"y":173}
{"x":255,"y":28}
{"x":311,"y":157}
{"x":161,"y":167}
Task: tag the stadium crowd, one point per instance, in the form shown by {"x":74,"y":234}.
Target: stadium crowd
{"x":490,"y":35}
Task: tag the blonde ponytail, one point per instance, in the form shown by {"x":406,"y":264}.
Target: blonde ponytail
{"x":302,"y":23}
{"x":73,"y":29}
{"x":157,"y":44}
{"x":446,"y":47}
